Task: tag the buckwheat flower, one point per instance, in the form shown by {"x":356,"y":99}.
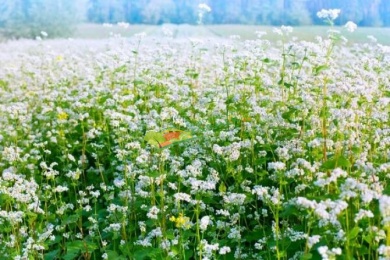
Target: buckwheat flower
{"x":167,"y":32}
{"x":95,"y":194}
{"x":351,"y":26}
{"x":286,"y":29}
{"x":327,"y":254}
{"x":260,"y":34}
{"x":155,"y":233}
{"x":119,"y":182}
{"x":283,"y":153}
{"x":224,"y":250}
{"x":144,"y":242}
{"x":277,"y":166}
{"x":217,"y":149}
{"x":261,"y":192}
{"x":204,"y":7}
{"x":234,"y":198}
{"x":123,"y":25}
{"x":115,"y":227}
{"x":234,"y":233}
{"x":204,"y":222}
{"x":60,"y":189}
{"x":104,"y":256}
{"x":363,"y":214}
{"x":142,"y":226}
{"x":260,"y":243}
{"x":384,"y":208}
{"x":222,"y":212}
{"x":311,"y":241}
{"x":11,"y":154}
{"x":384,"y":251}
{"x":153,"y":211}
{"x":305,"y":203}
{"x":331,"y":14}
{"x":276,"y":197}
{"x":71,"y":158}
{"x":165,"y":244}
{"x":182,"y":197}
{"x":234,"y":155}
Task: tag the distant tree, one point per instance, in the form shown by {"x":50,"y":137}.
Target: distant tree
{"x":107,"y":11}
{"x":384,"y":12}
{"x":185,"y":12}
{"x":295,"y":13}
{"x":266,"y":12}
{"x":28,"y":18}
{"x":159,"y":11}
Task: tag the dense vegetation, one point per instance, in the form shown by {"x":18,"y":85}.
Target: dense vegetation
{"x":165,"y":148}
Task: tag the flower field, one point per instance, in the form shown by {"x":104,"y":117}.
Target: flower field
{"x":177,"y":148}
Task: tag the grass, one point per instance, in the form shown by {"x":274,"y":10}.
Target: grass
{"x":246,"y":32}
{"x":302,"y":32}
{"x":160,"y":148}
{"x":98,"y":31}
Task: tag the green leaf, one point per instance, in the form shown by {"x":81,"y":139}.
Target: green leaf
{"x":71,"y":219}
{"x":51,"y":255}
{"x":122,"y":69}
{"x":31,"y":217}
{"x":343,"y":162}
{"x":154,"y":138}
{"x":318,"y":69}
{"x":353,"y":233}
{"x":114,"y":255}
{"x":222,"y":187}
{"x":333,"y":163}
{"x":306,"y":256}
{"x":288,"y":85}
{"x":74,"y":245}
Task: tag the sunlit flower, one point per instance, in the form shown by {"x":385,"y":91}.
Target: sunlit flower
{"x":350,"y":26}
{"x":181,"y":221}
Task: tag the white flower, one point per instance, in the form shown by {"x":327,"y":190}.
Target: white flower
{"x":60,"y":189}
{"x":71,"y":158}
{"x":311,"y":241}
{"x":204,"y":7}
{"x":123,"y":25}
{"x":224,"y":250}
{"x":204,"y":222}
{"x":384,"y":208}
{"x":363,"y":214}
{"x":331,"y":14}
{"x":152,"y":214}
{"x":277,"y":166}
{"x":351,"y":26}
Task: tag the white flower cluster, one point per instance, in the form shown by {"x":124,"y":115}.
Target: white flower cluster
{"x":331,"y":14}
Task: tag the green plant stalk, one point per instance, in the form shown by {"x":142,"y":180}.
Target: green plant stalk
{"x":198,"y":238}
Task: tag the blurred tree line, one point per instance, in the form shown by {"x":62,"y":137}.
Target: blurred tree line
{"x":27,"y":18}
{"x":265,"y":12}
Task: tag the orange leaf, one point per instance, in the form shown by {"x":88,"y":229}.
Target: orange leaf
{"x":163,"y":144}
{"x":172,"y":135}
